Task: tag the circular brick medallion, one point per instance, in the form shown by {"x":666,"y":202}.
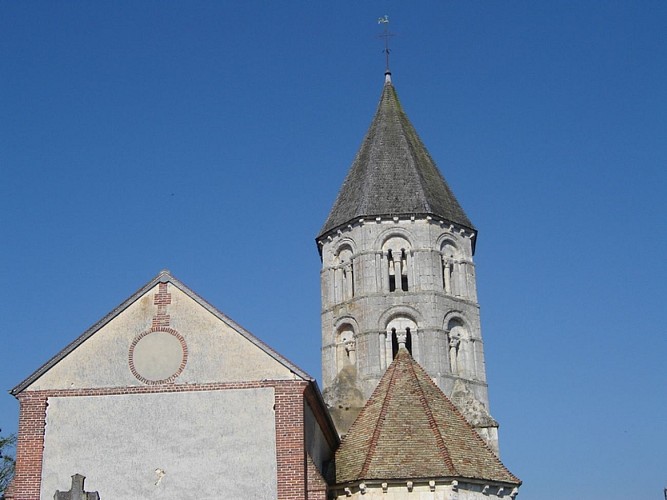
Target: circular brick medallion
{"x":158,"y":356}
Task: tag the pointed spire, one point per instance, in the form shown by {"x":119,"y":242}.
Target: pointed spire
{"x":393,"y":174}
{"x":408,"y":429}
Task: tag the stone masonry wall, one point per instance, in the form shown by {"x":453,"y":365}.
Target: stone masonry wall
{"x":356,"y":347}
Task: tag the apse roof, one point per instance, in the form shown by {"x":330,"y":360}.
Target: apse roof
{"x":409,"y":429}
{"x":393,"y":174}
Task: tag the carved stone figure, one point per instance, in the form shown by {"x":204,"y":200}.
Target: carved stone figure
{"x":454,"y":343}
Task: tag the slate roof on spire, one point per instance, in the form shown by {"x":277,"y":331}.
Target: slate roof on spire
{"x":393,"y":174}
{"x":409,"y":429}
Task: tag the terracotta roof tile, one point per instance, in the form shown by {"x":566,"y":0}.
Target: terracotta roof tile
{"x":409,"y":429}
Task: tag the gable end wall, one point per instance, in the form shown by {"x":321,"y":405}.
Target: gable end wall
{"x":291,"y":457}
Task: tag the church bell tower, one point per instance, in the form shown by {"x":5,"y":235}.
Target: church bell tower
{"x":397,"y":262}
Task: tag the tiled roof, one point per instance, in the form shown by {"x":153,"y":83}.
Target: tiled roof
{"x":393,"y":174}
{"x":409,"y":429}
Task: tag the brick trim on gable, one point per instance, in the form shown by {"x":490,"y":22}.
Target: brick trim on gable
{"x":162,"y":278}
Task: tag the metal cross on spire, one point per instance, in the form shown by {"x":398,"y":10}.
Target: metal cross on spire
{"x":386,"y":35}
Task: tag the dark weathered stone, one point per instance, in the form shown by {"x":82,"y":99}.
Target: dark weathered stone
{"x":76,"y":492}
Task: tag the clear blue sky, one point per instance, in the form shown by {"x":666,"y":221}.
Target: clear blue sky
{"x":211,"y":138}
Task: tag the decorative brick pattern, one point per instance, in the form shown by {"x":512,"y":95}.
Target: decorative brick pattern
{"x":162,"y":300}
{"x":160,"y":323}
{"x":155,"y":329}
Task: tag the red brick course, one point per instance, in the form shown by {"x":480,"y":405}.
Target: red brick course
{"x":316,"y":485}
{"x":290,"y":441}
{"x":29,"y":447}
{"x":162,"y":300}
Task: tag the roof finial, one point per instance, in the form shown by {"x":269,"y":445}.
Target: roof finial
{"x":386,"y":35}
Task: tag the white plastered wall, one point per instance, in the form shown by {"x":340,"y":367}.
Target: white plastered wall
{"x":216,"y":351}
{"x":169,"y":446}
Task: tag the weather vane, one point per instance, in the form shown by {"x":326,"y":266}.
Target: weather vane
{"x":386,"y":35}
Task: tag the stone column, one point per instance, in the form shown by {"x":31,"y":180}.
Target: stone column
{"x":332,"y":286}
{"x":463,"y":270}
{"x":383,"y":351}
{"x":447,"y":271}
{"x":457,"y":278}
{"x":349,"y":277}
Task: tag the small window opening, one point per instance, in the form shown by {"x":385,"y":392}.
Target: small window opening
{"x":404,"y":271}
{"x":392,"y":272}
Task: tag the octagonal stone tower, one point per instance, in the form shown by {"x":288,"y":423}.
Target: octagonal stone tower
{"x":397,"y":252}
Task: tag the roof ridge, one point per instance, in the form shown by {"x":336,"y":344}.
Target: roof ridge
{"x":456,"y":410}
{"x":442,"y":447}
{"x":376,"y":432}
{"x":454,"y":407}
